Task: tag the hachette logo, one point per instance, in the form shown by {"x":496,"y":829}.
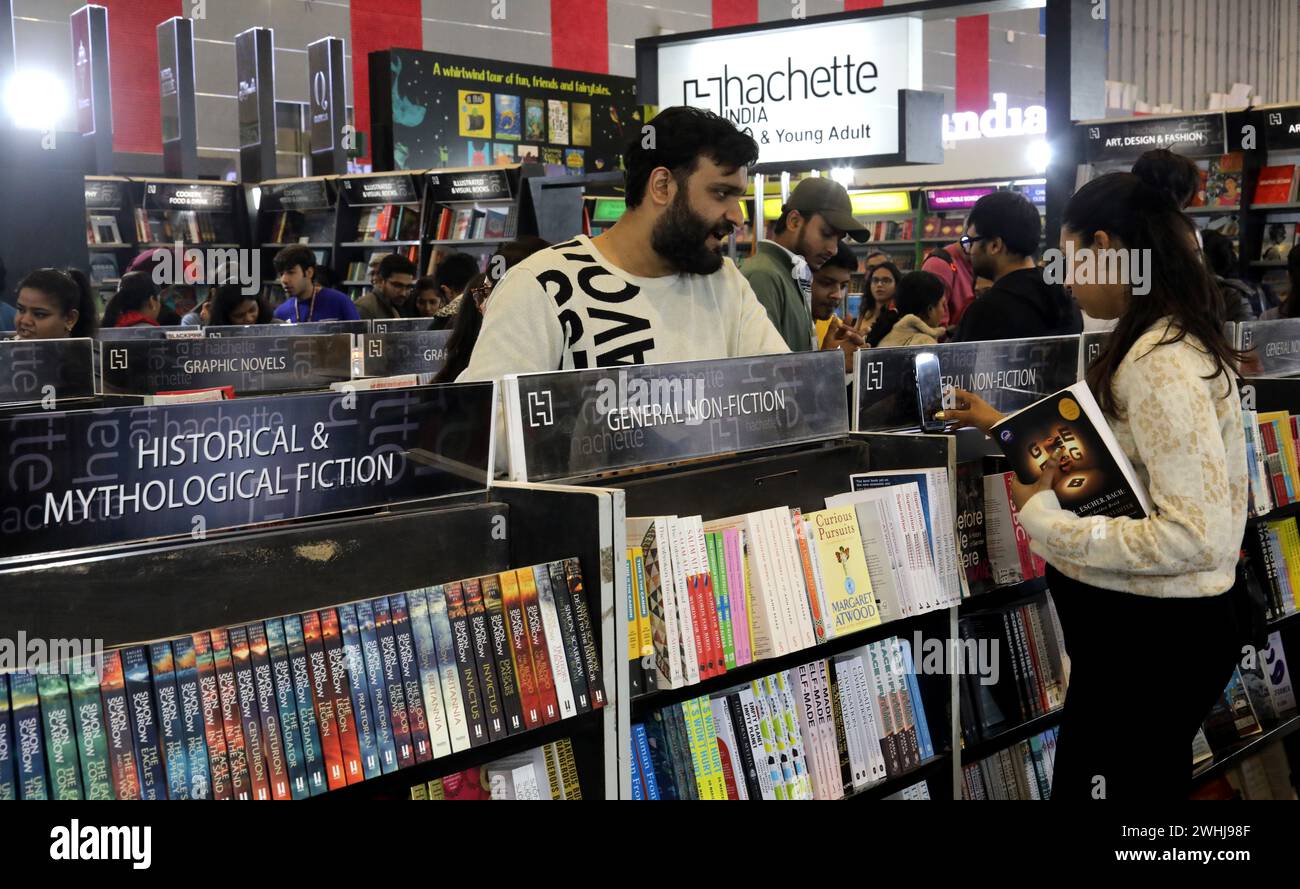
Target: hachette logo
{"x":740,"y":97}
{"x":89,"y":842}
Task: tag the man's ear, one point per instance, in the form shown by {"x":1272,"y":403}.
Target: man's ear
{"x":662,"y":187}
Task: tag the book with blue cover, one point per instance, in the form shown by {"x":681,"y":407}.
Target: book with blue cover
{"x":190,"y":697}
{"x":426,"y":654}
{"x":313,"y":755}
{"x":241,"y":785}
{"x":249,"y":714}
{"x":393,"y":682}
{"x":408,"y":666}
{"x":376,"y":693}
{"x":170,"y":735}
{"x":214,"y":733}
{"x":508,"y":123}
{"x":144,"y":723}
{"x":357,"y":685}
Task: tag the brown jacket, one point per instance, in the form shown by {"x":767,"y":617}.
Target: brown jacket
{"x":912,"y":331}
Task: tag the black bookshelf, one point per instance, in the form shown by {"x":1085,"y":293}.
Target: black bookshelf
{"x":1247,"y":748}
{"x":972,"y":753}
{"x":1290,"y":510}
{"x":109,"y":205}
{"x":1004,"y":596}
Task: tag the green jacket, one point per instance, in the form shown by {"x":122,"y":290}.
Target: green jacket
{"x":771,"y":273}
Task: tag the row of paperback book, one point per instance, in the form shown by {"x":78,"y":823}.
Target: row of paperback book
{"x":549,"y":772}
{"x":102,"y":229}
{"x":390,"y":222}
{"x":166,"y":226}
{"x":1275,"y":559}
{"x":1027,"y":639}
{"x":294,"y":706}
{"x":817,"y":731}
{"x":358,"y":269}
{"x":943,"y":227}
{"x":471,"y":223}
{"x":1272,"y":459}
{"x":1257,"y":697}
{"x":707,"y":597}
{"x":1022,"y":771}
{"x":892,"y":230}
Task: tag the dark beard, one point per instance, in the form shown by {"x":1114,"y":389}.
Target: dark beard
{"x":679,"y":238}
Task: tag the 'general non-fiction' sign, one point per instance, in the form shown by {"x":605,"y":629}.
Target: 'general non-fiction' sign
{"x":1008,"y":374}
{"x":249,"y":364}
{"x":33,"y":370}
{"x":805,"y":91}
{"x":102,"y":477}
{"x":581,"y":422}
{"x":1272,"y":347}
{"x":394,"y":354}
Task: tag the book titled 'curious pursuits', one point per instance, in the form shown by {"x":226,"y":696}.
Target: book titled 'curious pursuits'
{"x":1096,"y":476}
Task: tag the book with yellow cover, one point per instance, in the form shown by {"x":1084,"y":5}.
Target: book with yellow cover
{"x":838,"y":545}
{"x":475,"y":113}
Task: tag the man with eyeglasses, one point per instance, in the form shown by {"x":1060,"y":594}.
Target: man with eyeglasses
{"x":1001,"y":239}
{"x":394,"y":281}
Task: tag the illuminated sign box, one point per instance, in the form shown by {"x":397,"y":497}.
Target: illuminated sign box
{"x":955,"y":198}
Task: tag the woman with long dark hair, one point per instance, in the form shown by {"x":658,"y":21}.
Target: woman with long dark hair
{"x":135,"y":302}
{"x":1145,"y":604}
{"x":877,"y":302}
{"x":231,"y":305}
{"x":465,"y":327}
{"x":53,"y":303}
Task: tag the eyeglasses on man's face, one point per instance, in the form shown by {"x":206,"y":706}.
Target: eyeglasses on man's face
{"x":967,"y":241}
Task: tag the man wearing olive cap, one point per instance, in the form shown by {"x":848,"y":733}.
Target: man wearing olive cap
{"x":813,"y":222}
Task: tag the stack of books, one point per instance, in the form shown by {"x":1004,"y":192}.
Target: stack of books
{"x":297,"y":705}
{"x":390,"y":222}
{"x":1274,"y":556}
{"x":471,"y":223}
{"x":1021,"y":772}
{"x":817,"y":731}
{"x":1272,"y":459}
{"x":892,"y":230}
{"x":548,"y":772}
{"x":1027,"y":680}
{"x":707,"y":597}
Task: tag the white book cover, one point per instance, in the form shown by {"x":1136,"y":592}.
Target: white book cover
{"x":762,"y":761}
{"x":898,"y":707}
{"x":783,"y":599}
{"x":771,"y":762}
{"x":765,"y":622}
{"x":1000,"y":532}
{"x":797,"y":744}
{"x":554,"y":642}
{"x":783,"y":525}
{"x":895,"y":536}
{"x":801,"y":688}
{"x":728,"y":747}
{"x":885,"y":582}
{"x":854,"y":729}
{"x":685,"y":621}
{"x":872,"y":720}
{"x":944,"y":542}
{"x":910,"y":506}
{"x":776,"y":711}
{"x":1280,"y":690}
{"x":826,"y":725}
{"x":879,"y":698}
{"x":672,"y":654}
{"x":800,"y":614}
{"x":525,"y":781}
{"x":448,"y":675}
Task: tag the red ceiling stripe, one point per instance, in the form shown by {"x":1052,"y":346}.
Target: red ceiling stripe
{"x":133,"y":71}
{"x":580,"y":35}
{"x":862,"y":4}
{"x":972,"y":63}
{"x":378,"y":25}
{"x":734,"y":12}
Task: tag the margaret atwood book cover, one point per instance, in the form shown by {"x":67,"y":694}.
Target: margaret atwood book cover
{"x":1096,"y":476}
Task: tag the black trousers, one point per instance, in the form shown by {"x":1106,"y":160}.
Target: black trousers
{"x":1144,"y":673}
